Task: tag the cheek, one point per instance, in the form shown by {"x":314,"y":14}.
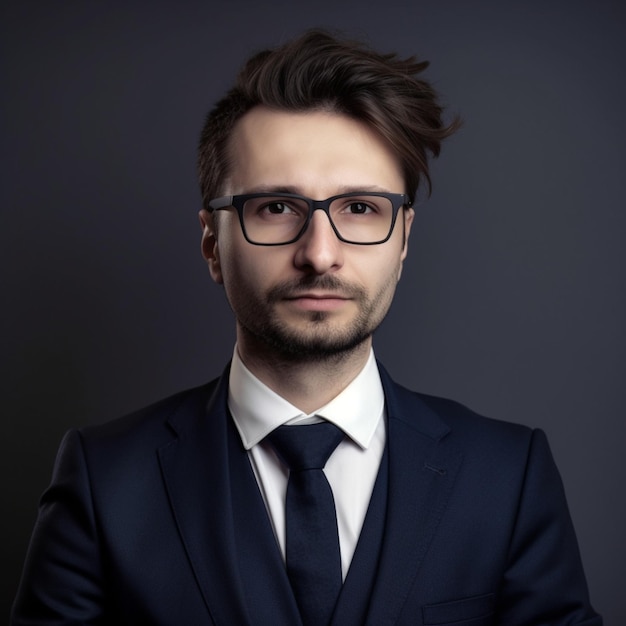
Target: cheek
{"x":250,"y":268}
{"x":380,"y":270}
{"x":388,"y":281}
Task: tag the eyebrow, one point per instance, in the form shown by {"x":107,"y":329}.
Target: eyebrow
{"x":278,"y":189}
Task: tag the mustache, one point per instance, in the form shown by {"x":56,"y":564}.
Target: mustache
{"x":294,"y":287}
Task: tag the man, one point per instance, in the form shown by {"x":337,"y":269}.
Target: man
{"x":200,"y":509}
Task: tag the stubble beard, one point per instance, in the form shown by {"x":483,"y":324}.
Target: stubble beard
{"x":319,"y":338}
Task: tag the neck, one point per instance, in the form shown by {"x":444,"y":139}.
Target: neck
{"x":307,"y":383}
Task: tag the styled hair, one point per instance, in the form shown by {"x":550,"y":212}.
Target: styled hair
{"x":318,"y":71}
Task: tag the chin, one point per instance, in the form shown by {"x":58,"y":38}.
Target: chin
{"x":318,"y":344}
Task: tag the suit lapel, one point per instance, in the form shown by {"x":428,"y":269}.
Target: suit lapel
{"x":196,"y":472}
{"x":422,"y":469}
{"x":267,"y":589}
{"x":354,"y":599}
{"x":222,"y":519}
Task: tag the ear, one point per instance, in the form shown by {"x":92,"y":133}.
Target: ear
{"x":209,"y":245}
{"x":407,"y":215}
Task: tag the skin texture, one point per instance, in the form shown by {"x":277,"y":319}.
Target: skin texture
{"x":306,"y":311}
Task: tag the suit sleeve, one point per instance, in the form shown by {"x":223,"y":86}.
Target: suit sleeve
{"x":544,"y":583}
{"x":62,"y":578}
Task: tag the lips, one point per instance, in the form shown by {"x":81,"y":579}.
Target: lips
{"x":319,"y":289}
{"x":317,"y":296}
{"x":317,"y":301}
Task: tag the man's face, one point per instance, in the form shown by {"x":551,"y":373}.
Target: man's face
{"x":318,"y":296}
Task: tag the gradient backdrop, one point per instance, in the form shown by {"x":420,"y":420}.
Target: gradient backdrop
{"x":513,"y":297}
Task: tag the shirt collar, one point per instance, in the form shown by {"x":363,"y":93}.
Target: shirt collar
{"x":257,"y":410}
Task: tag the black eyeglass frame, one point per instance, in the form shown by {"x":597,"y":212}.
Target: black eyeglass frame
{"x":398,"y":200}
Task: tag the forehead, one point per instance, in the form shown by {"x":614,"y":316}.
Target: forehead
{"x":316,"y":153}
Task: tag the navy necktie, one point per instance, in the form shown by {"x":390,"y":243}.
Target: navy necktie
{"x":313,"y":557}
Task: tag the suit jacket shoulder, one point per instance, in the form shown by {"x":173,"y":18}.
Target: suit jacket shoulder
{"x":152,"y":420}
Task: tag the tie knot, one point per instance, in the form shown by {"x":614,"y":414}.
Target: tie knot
{"x":305,"y":447}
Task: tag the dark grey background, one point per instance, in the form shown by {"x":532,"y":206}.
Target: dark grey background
{"x":512,"y":300}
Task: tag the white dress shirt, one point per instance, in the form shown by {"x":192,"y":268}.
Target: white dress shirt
{"x":352,"y":468}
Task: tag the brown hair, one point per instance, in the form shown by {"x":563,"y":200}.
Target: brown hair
{"x":319,"y":71}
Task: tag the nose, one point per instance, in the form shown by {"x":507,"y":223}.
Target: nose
{"x":319,"y":250}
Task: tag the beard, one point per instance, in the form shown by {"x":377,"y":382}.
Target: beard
{"x":320,"y":337}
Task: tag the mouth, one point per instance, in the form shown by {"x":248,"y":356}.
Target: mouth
{"x":318,"y":295}
{"x":316,"y":301}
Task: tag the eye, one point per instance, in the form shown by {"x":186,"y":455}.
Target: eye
{"x":276,"y":208}
{"x":359,"y":208}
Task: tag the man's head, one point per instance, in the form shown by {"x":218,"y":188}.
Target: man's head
{"x":320,"y":72}
{"x":337,"y":136}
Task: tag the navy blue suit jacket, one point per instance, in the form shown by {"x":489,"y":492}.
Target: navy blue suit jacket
{"x":156,"y":518}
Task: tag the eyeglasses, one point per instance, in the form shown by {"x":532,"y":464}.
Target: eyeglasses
{"x":269,"y":219}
